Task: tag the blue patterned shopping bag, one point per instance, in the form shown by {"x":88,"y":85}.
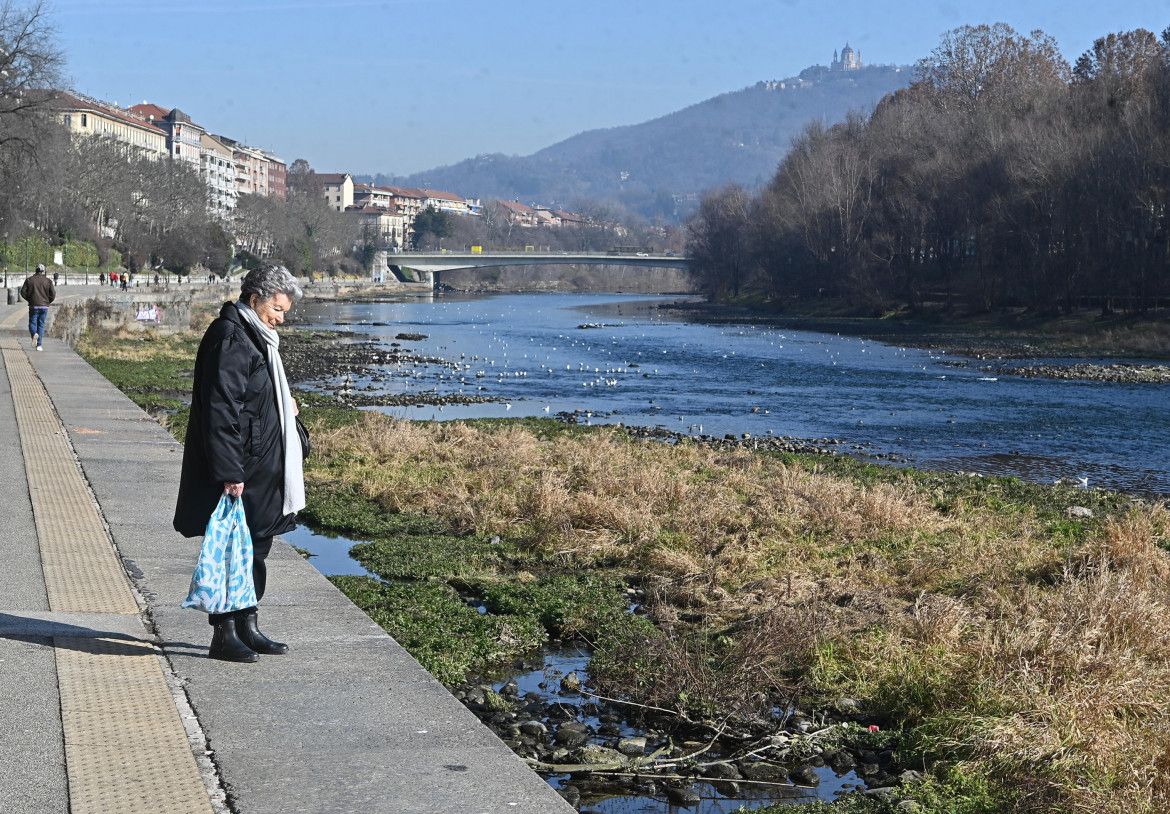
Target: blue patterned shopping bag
{"x":222,"y":581}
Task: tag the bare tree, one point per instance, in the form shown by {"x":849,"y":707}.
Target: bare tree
{"x":30,"y":64}
{"x":718,"y":240}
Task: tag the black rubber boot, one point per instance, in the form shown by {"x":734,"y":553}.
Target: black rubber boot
{"x":226,"y":644}
{"x":251,"y":636}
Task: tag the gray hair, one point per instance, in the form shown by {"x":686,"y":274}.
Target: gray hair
{"x":268,"y":280}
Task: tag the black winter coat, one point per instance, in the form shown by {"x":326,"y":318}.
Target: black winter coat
{"x":233,"y":433}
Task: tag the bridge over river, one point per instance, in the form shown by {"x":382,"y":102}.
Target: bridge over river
{"x":432,"y":262}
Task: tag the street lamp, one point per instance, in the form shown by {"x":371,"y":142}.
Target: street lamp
{"x":6,"y":259}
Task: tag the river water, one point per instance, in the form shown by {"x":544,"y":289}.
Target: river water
{"x":614,"y":359}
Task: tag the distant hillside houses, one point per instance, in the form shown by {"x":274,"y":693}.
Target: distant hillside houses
{"x":535,"y":216}
{"x":228,"y":167}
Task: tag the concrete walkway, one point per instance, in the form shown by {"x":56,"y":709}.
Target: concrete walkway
{"x":110,"y":701}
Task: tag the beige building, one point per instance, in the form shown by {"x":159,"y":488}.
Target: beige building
{"x":384,"y":227}
{"x":370,"y":195}
{"x":251,"y":167}
{"x":218,"y":169}
{"x":88,"y":117}
{"x":337,"y":189}
{"x":409,"y":201}
{"x":443,"y":201}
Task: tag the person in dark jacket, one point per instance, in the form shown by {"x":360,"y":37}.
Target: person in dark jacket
{"x":242,"y":441}
{"x":39,"y":291}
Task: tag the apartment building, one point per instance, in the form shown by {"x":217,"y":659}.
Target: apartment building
{"x":184,"y":137}
{"x":251,"y":167}
{"x":83,"y":116}
{"x":519,"y":214}
{"x":370,"y":195}
{"x":218,"y":169}
{"x":277,"y":177}
{"x":337,"y":189}
{"x":409,"y":201}
{"x":384,"y":226}
{"x":442,"y":201}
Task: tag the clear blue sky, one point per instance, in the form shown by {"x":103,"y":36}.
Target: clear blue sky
{"x":397,"y":86}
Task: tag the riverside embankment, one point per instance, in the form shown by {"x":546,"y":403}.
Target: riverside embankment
{"x":937,"y":606}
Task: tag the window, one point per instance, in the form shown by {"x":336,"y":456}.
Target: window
{"x":68,"y":120}
{"x":83,"y":120}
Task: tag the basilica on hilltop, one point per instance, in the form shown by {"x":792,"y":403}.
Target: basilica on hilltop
{"x":850,"y":60}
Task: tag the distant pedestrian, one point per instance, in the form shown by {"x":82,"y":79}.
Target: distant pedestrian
{"x":125,"y":281}
{"x":156,"y":279}
{"x":39,"y":291}
{"x":102,"y":278}
{"x":56,"y":277}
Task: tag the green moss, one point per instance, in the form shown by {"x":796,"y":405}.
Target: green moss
{"x":342,"y":510}
{"x":450,"y":639}
{"x":320,"y":413}
{"x":566,"y":604}
{"x":431,"y":557}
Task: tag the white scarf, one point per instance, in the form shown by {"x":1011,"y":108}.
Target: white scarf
{"x":294,"y":475}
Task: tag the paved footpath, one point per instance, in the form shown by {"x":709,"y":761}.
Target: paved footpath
{"x":109,"y":701}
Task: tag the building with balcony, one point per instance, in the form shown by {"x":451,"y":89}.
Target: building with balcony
{"x":184,"y":137}
{"x":83,"y":116}
{"x":251,"y":167}
{"x":370,"y":195}
{"x":384,"y":227}
{"x":218,"y":169}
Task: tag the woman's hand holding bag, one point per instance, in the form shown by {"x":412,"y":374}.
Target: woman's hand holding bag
{"x":222,"y":581}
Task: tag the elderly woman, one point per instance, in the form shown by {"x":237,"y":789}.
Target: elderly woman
{"x":242,"y":440}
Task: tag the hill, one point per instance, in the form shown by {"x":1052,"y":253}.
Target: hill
{"x":657,"y":168}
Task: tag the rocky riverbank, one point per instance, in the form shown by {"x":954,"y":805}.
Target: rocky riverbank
{"x":599,"y":748}
{"x":1081,"y":371}
{"x":316,"y":359}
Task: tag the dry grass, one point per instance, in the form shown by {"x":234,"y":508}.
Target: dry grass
{"x":1040,"y":655}
{"x":683,"y":510}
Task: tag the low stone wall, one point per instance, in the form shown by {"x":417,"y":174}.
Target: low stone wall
{"x":339,"y":289}
{"x":166,"y":311}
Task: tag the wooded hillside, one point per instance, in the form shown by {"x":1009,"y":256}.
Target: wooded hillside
{"x":1002,"y":177}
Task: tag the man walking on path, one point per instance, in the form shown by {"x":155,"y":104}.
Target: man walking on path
{"x":39,"y":292}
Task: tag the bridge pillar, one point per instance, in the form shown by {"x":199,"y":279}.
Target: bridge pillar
{"x":381,"y":269}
